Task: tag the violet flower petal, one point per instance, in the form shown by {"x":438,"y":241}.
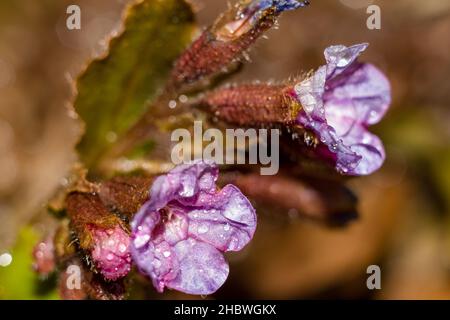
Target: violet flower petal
{"x":339,"y":101}
{"x":227,"y":220}
{"x":202,"y":268}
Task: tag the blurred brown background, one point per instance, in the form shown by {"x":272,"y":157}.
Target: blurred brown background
{"x":404,"y":225}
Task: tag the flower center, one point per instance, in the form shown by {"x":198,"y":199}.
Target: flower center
{"x":172,"y":226}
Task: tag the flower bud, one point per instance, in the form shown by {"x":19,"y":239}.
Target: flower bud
{"x":100,"y":233}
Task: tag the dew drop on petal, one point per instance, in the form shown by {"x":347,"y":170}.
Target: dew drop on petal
{"x":122,"y":248}
{"x":203,"y":229}
{"x":141,"y":240}
{"x":157,"y":263}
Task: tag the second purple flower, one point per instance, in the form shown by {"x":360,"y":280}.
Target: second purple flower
{"x":339,"y":101}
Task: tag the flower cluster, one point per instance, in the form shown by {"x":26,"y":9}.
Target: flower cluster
{"x":175,"y":226}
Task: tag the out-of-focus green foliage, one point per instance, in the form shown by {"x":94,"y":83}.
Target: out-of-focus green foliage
{"x":424,"y":143}
{"x":113,"y":91}
{"x":18,"y":280}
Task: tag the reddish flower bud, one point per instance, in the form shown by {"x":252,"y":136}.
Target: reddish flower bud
{"x":100,"y":233}
{"x":110,"y":251}
{"x":44,"y":257}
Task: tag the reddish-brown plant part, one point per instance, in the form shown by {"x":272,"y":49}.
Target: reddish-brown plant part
{"x":323,"y":201}
{"x":72,"y":280}
{"x":124,"y":195}
{"x":75,"y":181}
{"x":99,"y":289}
{"x":251,"y":104}
{"x":101,"y":234}
{"x":77,"y":282}
{"x":86,"y":211}
{"x":224,"y":43}
{"x":64,"y":244}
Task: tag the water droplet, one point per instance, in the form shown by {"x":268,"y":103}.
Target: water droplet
{"x":109,"y":257}
{"x":226,"y":227}
{"x":5,"y":260}
{"x":111,"y":136}
{"x":373,"y":114}
{"x":64,"y":182}
{"x":166,"y":254}
{"x":183,"y":98}
{"x":203,"y":229}
{"x":172,"y":104}
{"x":141,"y":240}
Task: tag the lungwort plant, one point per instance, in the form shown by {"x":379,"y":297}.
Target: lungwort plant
{"x":129,"y":217}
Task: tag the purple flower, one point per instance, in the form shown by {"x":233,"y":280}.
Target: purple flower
{"x":111,"y":252}
{"x":340,"y":100}
{"x":179,"y":235}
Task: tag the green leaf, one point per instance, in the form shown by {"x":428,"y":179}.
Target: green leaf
{"x":114,"y":91}
{"x":18,"y":280}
